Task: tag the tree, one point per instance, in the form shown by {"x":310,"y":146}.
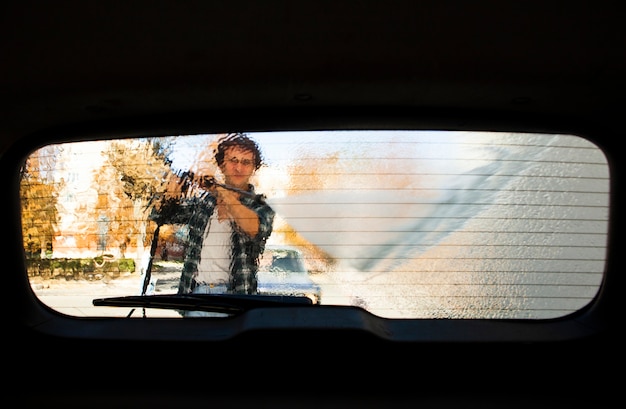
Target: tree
{"x":38,"y":195}
{"x":113,"y":212}
{"x":142,"y":168}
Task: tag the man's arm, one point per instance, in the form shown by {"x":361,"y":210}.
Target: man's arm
{"x":175,"y":205}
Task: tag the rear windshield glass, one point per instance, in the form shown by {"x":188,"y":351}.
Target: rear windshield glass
{"x":404,"y":224}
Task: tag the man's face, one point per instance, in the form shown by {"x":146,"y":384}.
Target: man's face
{"x":238,"y":167}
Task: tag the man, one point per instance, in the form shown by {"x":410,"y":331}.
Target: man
{"x":228,"y":224}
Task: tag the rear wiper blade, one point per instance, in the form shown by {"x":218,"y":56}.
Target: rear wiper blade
{"x":224,"y":303}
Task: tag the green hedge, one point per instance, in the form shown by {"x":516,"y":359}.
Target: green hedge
{"x":77,"y":268}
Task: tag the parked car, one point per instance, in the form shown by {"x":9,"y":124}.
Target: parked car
{"x":282,"y":272}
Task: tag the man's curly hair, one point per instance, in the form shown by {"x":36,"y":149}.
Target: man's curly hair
{"x":240,"y":140}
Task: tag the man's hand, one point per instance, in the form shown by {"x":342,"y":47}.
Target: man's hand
{"x":229,"y":206}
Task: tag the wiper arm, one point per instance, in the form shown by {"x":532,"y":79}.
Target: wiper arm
{"x":224,"y":303}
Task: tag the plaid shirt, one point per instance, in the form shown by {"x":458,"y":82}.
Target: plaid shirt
{"x":195,"y":212}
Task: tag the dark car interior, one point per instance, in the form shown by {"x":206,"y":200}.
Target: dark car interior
{"x":95,"y":70}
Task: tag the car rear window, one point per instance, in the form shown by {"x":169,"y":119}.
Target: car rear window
{"x":404,"y":224}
